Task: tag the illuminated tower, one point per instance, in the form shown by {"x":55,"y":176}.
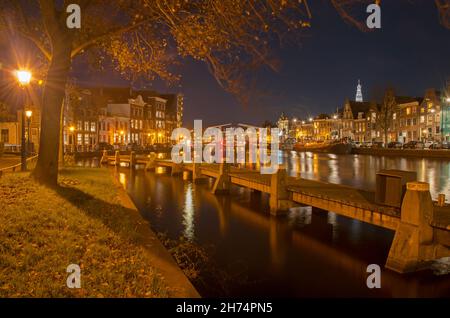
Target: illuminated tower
{"x":359,"y":97}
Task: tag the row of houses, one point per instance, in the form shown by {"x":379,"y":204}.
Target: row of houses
{"x":424,"y":118}
{"x":97,"y":116}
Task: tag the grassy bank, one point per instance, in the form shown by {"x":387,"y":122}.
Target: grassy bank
{"x":44,"y":230}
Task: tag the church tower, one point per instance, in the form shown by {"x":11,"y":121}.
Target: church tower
{"x":359,"y":96}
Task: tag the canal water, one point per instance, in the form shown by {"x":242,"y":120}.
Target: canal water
{"x":307,"y":253}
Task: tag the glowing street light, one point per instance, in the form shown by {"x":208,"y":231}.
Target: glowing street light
{"x":447,"y":99}
{"x":24,"y":78}
{"x":310,"y":119}
{"x":29,"y":113}
{"x":71,"y":129}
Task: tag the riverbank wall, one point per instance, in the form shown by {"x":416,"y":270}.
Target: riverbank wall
{"x":415,"y":153}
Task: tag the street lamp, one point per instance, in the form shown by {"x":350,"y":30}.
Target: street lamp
{"x":29,"y":113}
{"x":24,"y":78}
{"x":72,"y":138}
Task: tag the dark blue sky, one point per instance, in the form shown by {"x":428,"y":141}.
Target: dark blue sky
{"x":411,"y":52}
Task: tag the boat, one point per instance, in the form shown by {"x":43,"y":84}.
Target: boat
{"x":288,"y":144}
{"x":335,"y":147}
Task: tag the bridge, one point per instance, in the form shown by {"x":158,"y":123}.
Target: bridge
{"x":422,"y":228}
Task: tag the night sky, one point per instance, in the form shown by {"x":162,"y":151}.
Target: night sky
{"x":411,"y":52}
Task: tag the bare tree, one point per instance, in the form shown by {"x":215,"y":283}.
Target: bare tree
{"x":385,"y":116}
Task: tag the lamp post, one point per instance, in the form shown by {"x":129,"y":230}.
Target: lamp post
{"x":24,"y":78}
{"x":29,"y":113}
{"x":72,"y":138}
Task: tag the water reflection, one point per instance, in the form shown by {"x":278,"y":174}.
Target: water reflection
{"x":308,"y":253}
{"x":360,"y":170}
{"x":188,"y":214}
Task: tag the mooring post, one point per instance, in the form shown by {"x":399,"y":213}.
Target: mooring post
{"x":176,"y":169}
{"x":104,"y":157}
{"x":117,"y":158}
{"x":412,"y":248}
{"x":279,"y":196}
{"x":222,"y":183}
{"x":151,"y":161}
{"x":132,"y":160}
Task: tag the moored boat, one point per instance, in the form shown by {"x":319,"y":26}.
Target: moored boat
{"x":339,"y":148}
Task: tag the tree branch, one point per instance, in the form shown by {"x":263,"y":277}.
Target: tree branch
{"x":105,"y":35}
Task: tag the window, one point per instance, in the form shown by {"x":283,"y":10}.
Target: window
{"x":408,"y":111}
{"x":79,"y":125}
{"x":394,"y":116}
{"x":93,"y":126}
{"x":79,"y":139}
{"x":422,"y":119}
{"x":438,"y":130}
{"x":4,"y":136}
{"x":86,"y":139}
{"x":86,"y":126}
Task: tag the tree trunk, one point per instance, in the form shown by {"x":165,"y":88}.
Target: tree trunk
{"x":46,"y":170}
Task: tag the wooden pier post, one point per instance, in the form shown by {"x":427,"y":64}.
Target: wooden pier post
{"x":413,"y":248}
{"x":222,"y":182}
{"x":176,"y":169}
{"x":279,"y":196}
{"x":117,"y":158}
{"x":132,"y":160}
{"x":151,"y":161}
{"x":104,"y":159}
